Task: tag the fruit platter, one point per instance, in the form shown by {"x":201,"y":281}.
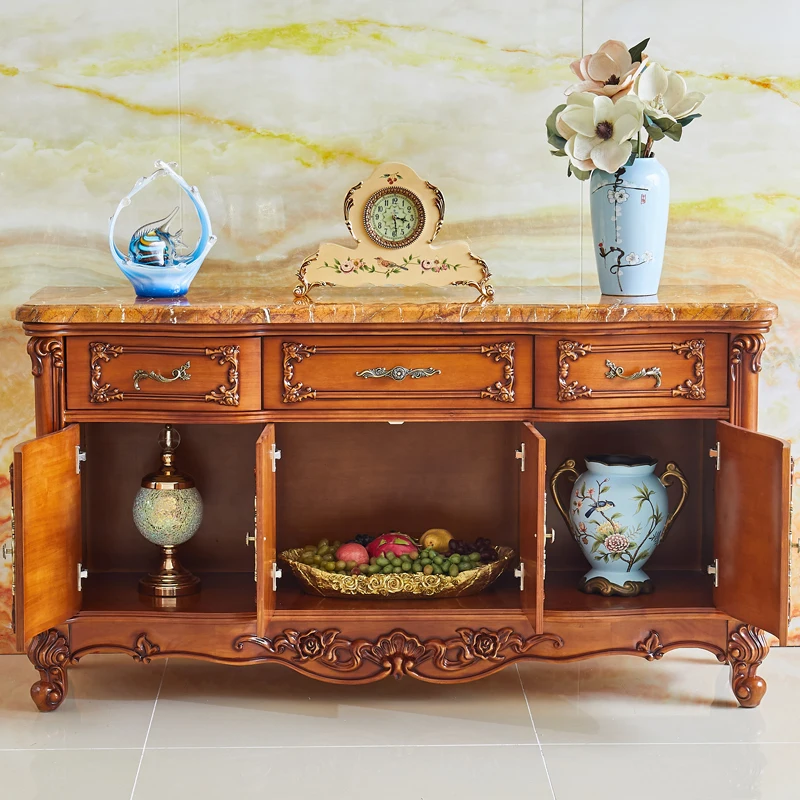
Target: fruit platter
{"x":396,"y":566}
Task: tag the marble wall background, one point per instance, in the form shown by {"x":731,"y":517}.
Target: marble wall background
{"x":274,"y":108}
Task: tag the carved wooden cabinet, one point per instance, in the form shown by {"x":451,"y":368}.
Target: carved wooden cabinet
{"x":283,"y":406}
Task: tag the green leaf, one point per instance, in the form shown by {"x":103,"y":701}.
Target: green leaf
{"x":637,"y":50}
{"x":336,"y":261}
{"x":615,"y":515}
{"x":670,"y":127}
{"x":557,"y":153}
{"x":596,"y":545}
{"x":643,"y":555}
{"x":581,"y":175}
{"x":686,"y":120}
{"x":653,"y":131}
{"x":554,"y":138}
{"x":583,"y":488}
{"x":604,"y":489}
{"x":639,"y":506}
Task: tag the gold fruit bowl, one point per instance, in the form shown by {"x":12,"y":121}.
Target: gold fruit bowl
{"x":396,"y":586}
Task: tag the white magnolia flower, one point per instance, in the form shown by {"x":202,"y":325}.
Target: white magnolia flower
{"x":663,"y":93}
{"x":600,"y":130}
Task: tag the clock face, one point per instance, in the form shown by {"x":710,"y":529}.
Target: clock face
{"x":394,"y":217}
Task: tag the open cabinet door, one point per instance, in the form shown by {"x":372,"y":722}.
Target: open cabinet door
{"x":531,"y":523}
{"x":751,"y":534}
{"x":266,"y":528}
{"x":47,"y":532}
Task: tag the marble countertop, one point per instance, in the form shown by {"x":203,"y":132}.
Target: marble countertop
{"x":530,"y":304}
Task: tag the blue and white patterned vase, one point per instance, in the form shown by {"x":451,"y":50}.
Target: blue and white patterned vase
{"x":629,"y":225}
{"x":618,"y":515}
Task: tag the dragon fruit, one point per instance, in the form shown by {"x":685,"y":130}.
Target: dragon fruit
{"x":397,"y":543}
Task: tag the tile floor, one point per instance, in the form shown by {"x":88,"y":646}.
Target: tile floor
{"x":610,"y":728}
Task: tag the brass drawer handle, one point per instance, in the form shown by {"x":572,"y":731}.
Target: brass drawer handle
{"x":649,"y":372}
{"x":178,"y":374}
{"x":398,"y":373}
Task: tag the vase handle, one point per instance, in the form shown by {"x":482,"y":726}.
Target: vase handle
{"x":673,"y":471}
{"x":567,"y":468}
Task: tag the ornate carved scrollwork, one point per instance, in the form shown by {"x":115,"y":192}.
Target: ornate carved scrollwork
{"x":41,"y":349}
{"x":652,"y":649}
{"x":692,"y":389}
{"x":398,"y":653}
{"x":570,"y":351}
{"x":753,"y":345}
{"x":304,"y":287}
{"x":348,"y":207}
{"x":225,"y":395}
{"x":100,"y":353}
{"x":747,"y":648}
{"x":483,"y":287}
{"x":49,"y":653}
{"x":296,"y":392}
{"x":502,"y":391}
{"x":439,"y":201}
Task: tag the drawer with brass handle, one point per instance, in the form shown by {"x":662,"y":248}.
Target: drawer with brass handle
{"x":605,"y":371}
{"x":398,"y":372}
{"x":174,"y":373}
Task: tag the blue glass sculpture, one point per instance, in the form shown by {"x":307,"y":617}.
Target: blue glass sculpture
{"x":153,"y":264}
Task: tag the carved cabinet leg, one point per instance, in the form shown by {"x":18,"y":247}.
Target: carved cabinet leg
{"x":747,"y":648}
{"x":49,"y":653}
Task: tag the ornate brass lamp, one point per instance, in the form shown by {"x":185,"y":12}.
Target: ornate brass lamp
{"x":168,"y":511}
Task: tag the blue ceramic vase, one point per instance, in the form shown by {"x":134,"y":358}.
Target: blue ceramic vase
{"x":629,"y":225}
{"x":618,"y":515}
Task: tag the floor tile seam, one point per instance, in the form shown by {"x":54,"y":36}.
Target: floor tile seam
{"x":704,"y":743}
{"x":149,"y":726}
{"x":535,"y":732}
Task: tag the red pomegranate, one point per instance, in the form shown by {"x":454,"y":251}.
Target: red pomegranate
{"x":398,"y":543}
{"x":352,"y":551}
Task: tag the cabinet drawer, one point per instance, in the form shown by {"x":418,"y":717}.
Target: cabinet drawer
{"x":157,"y":373}
{"x":398,"y":371}
{"x":622,"y":371}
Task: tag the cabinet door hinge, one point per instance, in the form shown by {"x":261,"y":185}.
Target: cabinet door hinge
{"x":714,"y":452}
{"x":276,"y":573}
{"x":713,"y":569}
{"x":82,"y":573}
{"x":519,"y":572}
{"x":274,"y":456}
{"x":520,"y":455}
{"x":80,"y":455}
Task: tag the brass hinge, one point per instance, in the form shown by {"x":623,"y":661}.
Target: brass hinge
{"x":274,"y":456}
{"x":82,"y":573}
{"x":714,"y":452}
{"x":713,"y":569}
{"x":519,"y":572}
{"x":520,"y":455}
{"x":79,"y":456}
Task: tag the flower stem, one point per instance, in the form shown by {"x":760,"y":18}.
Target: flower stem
{"x":648,"y":149}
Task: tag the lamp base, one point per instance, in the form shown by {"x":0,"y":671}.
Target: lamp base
{"x":171,"y":580}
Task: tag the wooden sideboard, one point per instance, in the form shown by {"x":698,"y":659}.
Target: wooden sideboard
{"x":255,"y":371}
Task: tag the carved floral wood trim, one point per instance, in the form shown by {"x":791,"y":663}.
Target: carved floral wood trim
{"x":570,"y":351}
{"x":501,"y":390}
{"x":226,"y":394}
{"x":42,"y":349}
{"x":296,"y":352}
{"x":752,"y":344}
{"x":747,"y":648}
{"x":49,"y":653}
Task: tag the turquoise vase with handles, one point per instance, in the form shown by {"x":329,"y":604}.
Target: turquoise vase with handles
{"x":629,"y":226}
{"x":618,"y":515}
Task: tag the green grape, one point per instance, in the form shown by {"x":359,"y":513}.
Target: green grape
{"x":351,"y":565}
{"x":395,"y":562}
{"x":438,"y":560}
{"x":417,"y":566}
{"x":381,"y":561}
{"x":322,"y":543}
{"x":453,"y":570}
{"x":373,"y":568}
{"x":389,"y":555}
{"x":387,"y":569}
{"x":341,"y":565}
{"x":330,"y":566}
{"x":428,"y":569}
{"x":437,"y":570}
{"x":397,"y":570}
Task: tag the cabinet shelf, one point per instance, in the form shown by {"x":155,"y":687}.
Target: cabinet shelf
{"x":222,"y":594}
{"x":684,"y":590}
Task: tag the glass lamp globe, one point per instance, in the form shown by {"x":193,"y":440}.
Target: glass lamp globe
{"x":167,"y":511}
